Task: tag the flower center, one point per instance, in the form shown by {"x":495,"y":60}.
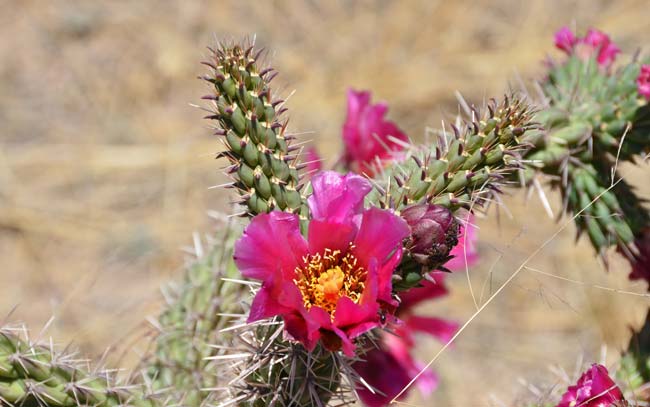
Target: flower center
{"x":329,"y":276}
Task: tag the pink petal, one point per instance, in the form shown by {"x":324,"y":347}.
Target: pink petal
{"x":265,"y":305}
{"x":270,"y":244}
{"x":313,"y":161}
{"x":465,"y":252}
{"x":565,"y":39}
{"x":328,"y":235}
{"x":428,"y":291}
{"x":337,"y":198}
{"x":380,"y":237}
{"x":357,"y":102}
{"x":350,"y":316}
{"x":439,"y":328}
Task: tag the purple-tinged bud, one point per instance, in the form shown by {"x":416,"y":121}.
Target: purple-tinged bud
{"x":434,"y":232}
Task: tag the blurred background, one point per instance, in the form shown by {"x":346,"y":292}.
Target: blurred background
{"x":105,"y":166}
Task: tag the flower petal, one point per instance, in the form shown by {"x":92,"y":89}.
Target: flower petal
{"x":328,"y":235}
{"x":337,"y":198}
{"x":380,"y":237}
{"x":270,"y":244}
{"x":428,"y":290}
{"x":439,"y":328}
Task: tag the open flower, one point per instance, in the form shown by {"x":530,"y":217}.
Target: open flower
{"x":594,"y":43}
{"x":389,"y":368}
{"x":594,"y":389}
{"x":332,"y":285}
{"x":643,"y":82}
{"x":367,"y":136}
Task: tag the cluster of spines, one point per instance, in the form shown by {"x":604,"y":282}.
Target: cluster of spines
{"x":593,"y":120}
{"x":190,"y":325}
{"x":274,"y":372}
{"x":607,"y":220}
{"x":33,"y":374}
{"x":465,"y":167}
{"x":264,"y":164}
{"x":596,"y":111}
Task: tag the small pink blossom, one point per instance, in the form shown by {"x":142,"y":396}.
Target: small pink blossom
{"x":367,"y":136}
{"x":643,"y":81}
{"x":391,"y":367}
{"x":565,"y":39}
{"x":331,"y":286}
{"x":594,"y":43}
{"x":594,"y":389}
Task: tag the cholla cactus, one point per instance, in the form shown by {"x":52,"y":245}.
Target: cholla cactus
{"x":464,"y":169}
{"x":594,"y":117}
{"x":36,"y":374}
{"x":197,"y":312}
{"x":263,"y":162}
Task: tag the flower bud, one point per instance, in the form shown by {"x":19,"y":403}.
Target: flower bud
{"x":434,"y":232}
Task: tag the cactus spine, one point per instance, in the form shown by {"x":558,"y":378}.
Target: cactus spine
{"x":33,"y":374}
{"x":263,"y":163}
{"x":594,"y":119}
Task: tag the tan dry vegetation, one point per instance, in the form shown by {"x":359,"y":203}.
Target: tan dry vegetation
{"x":105,"y":168}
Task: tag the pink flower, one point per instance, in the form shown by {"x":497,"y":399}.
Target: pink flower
{"x":600,"y":42}
{"x":391,"y":367}
{"x":331,"y":286}
{"x":594,"y":43}
{"x":313,"y":161}
{"x":565,"y":39}
{"x":594,"y":389}
{"x":641,"y":261}
{"x":368,"y":138}
{"x":643,"y":81}
{"x":465,"y":252}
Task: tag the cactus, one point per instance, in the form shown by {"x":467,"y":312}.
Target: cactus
{"x":462,"y":170}
{"x":274,"y":372}
{"x":263,"y":163}
{"x":197,"y":311}
{"x":593,"y":119}
{"x":33,"y":374}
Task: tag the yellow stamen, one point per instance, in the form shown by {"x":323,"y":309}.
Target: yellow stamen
{"x":327,"y":277}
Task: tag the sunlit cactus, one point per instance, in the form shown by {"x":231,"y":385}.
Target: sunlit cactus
{"x":34,"y":373}
{"x":263,"y":163}
{"x":595,"y":117}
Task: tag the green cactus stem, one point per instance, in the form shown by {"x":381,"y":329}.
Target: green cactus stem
{"x":33,"y":374}
{"x":196,"y":312}
{"x":264,"y":164}
{"x":464,"y":169}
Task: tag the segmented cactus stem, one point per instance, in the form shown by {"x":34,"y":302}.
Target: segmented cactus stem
{"x":189,"y":330}
{"x":264,"y":165}
{"x":35,"y":374}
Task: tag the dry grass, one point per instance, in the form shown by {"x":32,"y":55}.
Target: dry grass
{"x":104,"y":167}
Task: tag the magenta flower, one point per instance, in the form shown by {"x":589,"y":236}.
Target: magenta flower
{"x":313,"y":161}
{"x":389,"y":368}
{"x":465,"y":252}
{"x":594,"y":43}
{"x":641,"y":260}
{"x":594,"y":389}
{"x":600,"y":43}
{"x":565,"y":39}
{"x":643,"y":81}
{"x":367,"y":137}
{"x":331,"y":286}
